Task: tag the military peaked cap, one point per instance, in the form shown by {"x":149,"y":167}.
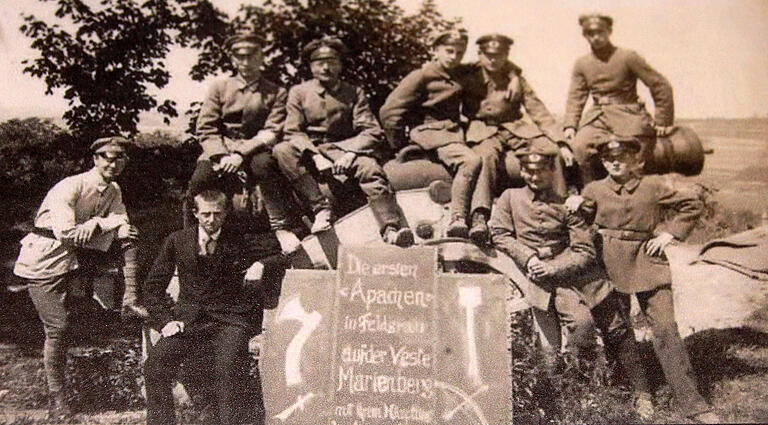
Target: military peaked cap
{"x":618,"y":145}
{"x":539,"y":153}
{"x":451,"y":37}
{"x":494,"y":43}
{"x":111,"y":141}
{"x":595,"y":19}
{"x":243,"y":38}
{"x":323,"y":48}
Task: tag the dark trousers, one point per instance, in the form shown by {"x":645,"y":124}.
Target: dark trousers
{"x":54,"y":301}
{"x":658,"y":307}
{"x":51,"y":299}
{"x":296,"y":163}
{"x":261,"y":169}
{"x":230,"y":370}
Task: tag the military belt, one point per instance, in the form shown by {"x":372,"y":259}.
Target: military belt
{"x":626,"y":235}
{"x":608,"y":100}
{"x":41,"y":231}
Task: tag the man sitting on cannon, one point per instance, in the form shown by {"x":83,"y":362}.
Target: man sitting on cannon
{"x":494,"y":98}
{"x":428,"y":101}
{"x":609,"y":74}
{"x":329,"y":127}
{"x":240,"y":120}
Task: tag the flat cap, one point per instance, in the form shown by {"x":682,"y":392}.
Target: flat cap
{"x":324,"y":48}
{"x":243,"y":39}
{"x":108,"y":143}
{"x":538,"y":154}
{"x":494,"y":43}
{"x":451,"y":37}
{"x":618,"y":145}
{"x":595,"y":19}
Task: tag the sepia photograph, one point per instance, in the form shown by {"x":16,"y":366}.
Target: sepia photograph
{"x":363,"y":212}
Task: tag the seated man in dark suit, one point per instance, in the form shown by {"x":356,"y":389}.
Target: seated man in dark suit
{"x":215,"y":308}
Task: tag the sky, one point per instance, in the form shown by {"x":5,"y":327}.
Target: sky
{"x":712,"y":51}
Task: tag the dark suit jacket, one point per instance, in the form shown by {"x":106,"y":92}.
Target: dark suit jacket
{"x":209,"y":288}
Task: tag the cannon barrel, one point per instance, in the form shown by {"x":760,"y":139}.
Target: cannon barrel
{"x":680,"y":152}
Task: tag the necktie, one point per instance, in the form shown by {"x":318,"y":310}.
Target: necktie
{"x":210,"y":246}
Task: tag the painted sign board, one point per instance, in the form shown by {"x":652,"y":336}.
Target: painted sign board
{"x":386,"y":339}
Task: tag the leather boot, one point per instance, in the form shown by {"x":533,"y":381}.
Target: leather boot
{"x":457,"y":228}
{"x":479,"y":232}
{"x":390,"y":220}
{"x":307,"y":187}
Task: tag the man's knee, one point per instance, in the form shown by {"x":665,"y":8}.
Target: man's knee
{"x":471,"y":163}
{"x":369,"y":169}
{"x":285,"y":151}
{"x":202,"y":178}
{"x":157,"y":369}
{"x":263,"y":167}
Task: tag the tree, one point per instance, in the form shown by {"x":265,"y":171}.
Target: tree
{"x":108,"y":62}
{"x":108,"y":59}
{"x":384,"y":43}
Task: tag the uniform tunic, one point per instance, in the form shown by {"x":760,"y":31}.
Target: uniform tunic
{"x":234,"y":112}
{"x":73,"y":201}
{"x":629,"y":214}
{"x":497,"y":124}
{"x":611,"y":77}
{"x":525,"y":225}
{"x":428,"y":100}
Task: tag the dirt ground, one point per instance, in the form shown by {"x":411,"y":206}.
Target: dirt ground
{"x":732,"y":364}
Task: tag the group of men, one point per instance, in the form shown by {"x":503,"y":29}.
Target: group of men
{"x":287,"y":142}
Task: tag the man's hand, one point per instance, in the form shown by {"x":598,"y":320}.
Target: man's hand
{"x":172,"y":328}
{"x":662,"y":131}
{"x":567,"y":154}
{"x":573,"y":203}
{"x":656,"y":246}
{"x":569,"y":133}
{"x":255,"y":272}
{"x":127,"y":231}
{"x":344,"y":164}
{"x":538,"y":269}
{"x":230,"y":163}
{"x":289,"y":243}
{"x":84,"y":232}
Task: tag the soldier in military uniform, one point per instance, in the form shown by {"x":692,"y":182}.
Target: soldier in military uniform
{"x":494,"y":97}
{"x":329,"y":121}
{"x":556,"y":250}
{"x":240,"y":120}
{"x":609,"y":74}
{"x":80,"y":228}
{"x":428,"y":102}
{"x":637,"y":217}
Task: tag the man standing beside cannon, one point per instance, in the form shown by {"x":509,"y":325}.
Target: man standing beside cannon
{"x":609,"y":74}
{"x":569,"y":291}
{"x":329,"y":121}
